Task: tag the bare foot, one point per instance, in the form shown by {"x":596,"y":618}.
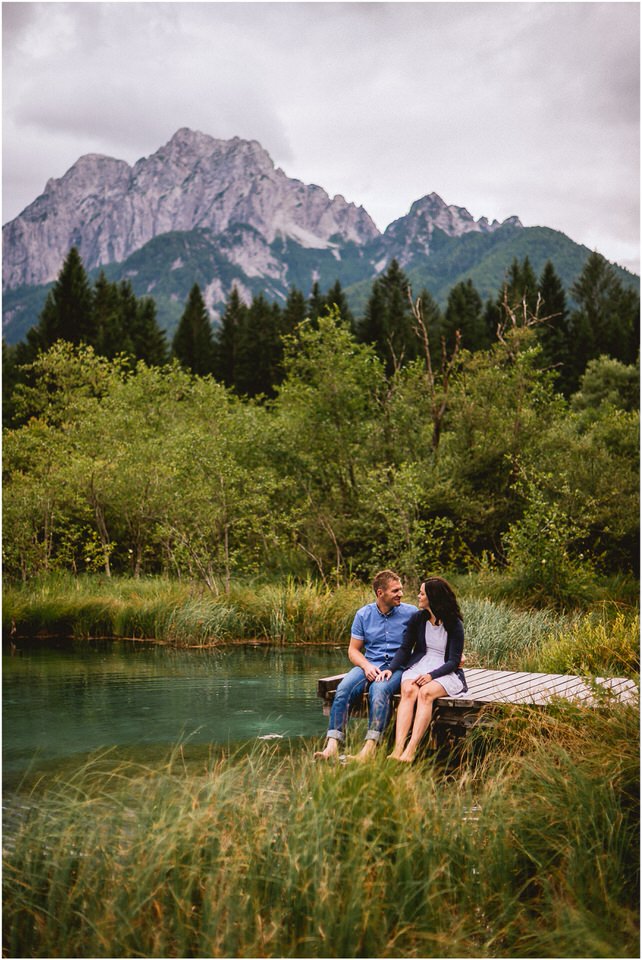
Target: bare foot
{"x":331,"y":751}
{"x":407,"y":757}
{"x":394,"y":755}
{"x":367,"y":751}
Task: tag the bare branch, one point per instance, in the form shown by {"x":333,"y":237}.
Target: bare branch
{"x":438,"y":392}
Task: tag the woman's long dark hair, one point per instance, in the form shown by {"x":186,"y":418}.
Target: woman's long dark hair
{"x":442,"y":600}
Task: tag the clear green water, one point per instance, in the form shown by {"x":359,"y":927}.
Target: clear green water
{"x":64,"y":702}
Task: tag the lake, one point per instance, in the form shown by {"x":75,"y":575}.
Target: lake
{"x":65,"y":700}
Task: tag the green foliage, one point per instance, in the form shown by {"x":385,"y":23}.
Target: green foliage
{"x":324,"y":417}
{"x":606,"y":380}
{"x":607,"y":318}
{"x":499,"y":405}
{"x":541,"y":567}
{"x":334,"y":469}
{"x":67,"y":313}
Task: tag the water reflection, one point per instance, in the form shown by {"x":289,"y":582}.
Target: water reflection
{"x":80,"y":696}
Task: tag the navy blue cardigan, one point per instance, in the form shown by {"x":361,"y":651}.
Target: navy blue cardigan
{"x":413,"y":647}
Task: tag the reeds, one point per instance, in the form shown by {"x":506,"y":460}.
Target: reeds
{"x":531,"y":851}
{"x":499,"y":636}
{"x":182,"y":613}
{"x":604,"y":642}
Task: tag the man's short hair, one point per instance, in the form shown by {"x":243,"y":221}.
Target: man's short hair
{"x":383,"y":578}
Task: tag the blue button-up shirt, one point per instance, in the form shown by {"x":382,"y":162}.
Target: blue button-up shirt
{"x":381,"y":632}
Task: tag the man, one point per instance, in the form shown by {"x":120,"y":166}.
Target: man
{"x":375,"y":637}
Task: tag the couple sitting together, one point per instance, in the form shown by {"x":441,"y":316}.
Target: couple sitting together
{"x":396,"y":647}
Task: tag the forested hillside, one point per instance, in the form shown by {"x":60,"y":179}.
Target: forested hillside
{"x":304,"y":441}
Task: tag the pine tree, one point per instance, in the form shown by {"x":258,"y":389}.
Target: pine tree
{"x":150,"y":343}
{"x":518,"y":294}
{"x":388,"y":322}
{"x":553,"y":332}
{"x":109,"y":335}
{"x":193,"y":344}
{"x":522,"y":287}
{"x":607,"y":317}
{"x":128,"y":316}
{"x":464,"y":313}
{"x":67,"y":313}
{"x":230,"y":339}
{"x":316,"y":302}
{"x":335,"y":297}
{"x":295,"y":310}
{"x":258,"y":366}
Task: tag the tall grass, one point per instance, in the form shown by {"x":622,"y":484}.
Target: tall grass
{"x":602,"y":641}
{"x":181,"y":613}
{"x":530,"y":851}
{"x":499,"y":636}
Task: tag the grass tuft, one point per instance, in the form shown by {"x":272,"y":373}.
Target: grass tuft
{"x":529,"y":851}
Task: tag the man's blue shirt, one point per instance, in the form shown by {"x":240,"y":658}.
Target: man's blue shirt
{"x":381,"y":632}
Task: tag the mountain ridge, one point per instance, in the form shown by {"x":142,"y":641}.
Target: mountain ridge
{"x":221,"y":214}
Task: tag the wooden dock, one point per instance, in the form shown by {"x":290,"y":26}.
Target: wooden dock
{"x":454,"y":716}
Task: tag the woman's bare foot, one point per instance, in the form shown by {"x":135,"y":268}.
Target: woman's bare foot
{"x":395,"y":755}
{"x":331,"y":751}
{"x":407,"y":756}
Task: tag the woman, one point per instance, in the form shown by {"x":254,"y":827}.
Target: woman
{"x":431,"y":652}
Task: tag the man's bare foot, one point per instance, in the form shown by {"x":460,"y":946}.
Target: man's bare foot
{"x":367,"y":751}
{"x":331,"y":751}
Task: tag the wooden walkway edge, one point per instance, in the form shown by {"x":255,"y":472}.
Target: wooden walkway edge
{"x":494,"y":687}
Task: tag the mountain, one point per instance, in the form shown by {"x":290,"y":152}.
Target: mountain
{"x":109,"y":210}
{"x":219,"y":213}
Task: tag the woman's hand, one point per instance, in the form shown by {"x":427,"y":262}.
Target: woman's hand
{"x":384,"y":675}
{"x":424,"y":678}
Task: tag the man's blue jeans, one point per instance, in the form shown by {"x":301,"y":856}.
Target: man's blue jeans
{"x":380,"y":693}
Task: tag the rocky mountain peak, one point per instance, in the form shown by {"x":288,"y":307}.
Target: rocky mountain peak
{"x":109,"y":210}
{"x":412,"y":235}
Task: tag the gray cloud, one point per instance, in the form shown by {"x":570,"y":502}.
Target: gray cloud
{"x":506,"y":108}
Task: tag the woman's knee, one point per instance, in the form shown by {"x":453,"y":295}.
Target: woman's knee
{"x":409,"y":690}
{"x":431,"y":691}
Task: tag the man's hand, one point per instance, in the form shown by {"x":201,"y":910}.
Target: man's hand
{"x":372,"y":672}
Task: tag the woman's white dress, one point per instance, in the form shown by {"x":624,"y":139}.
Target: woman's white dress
{"x":434,"y":657}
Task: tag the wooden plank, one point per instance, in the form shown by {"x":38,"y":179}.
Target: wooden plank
{"x":328,"y":684}
{"x":505,"y":686}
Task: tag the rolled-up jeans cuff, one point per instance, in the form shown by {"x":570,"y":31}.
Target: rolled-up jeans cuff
{"x":373,"y":735}
{"x":335,"y":735}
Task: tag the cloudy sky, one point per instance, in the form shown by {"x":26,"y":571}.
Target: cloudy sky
{"x":509,"y":108}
